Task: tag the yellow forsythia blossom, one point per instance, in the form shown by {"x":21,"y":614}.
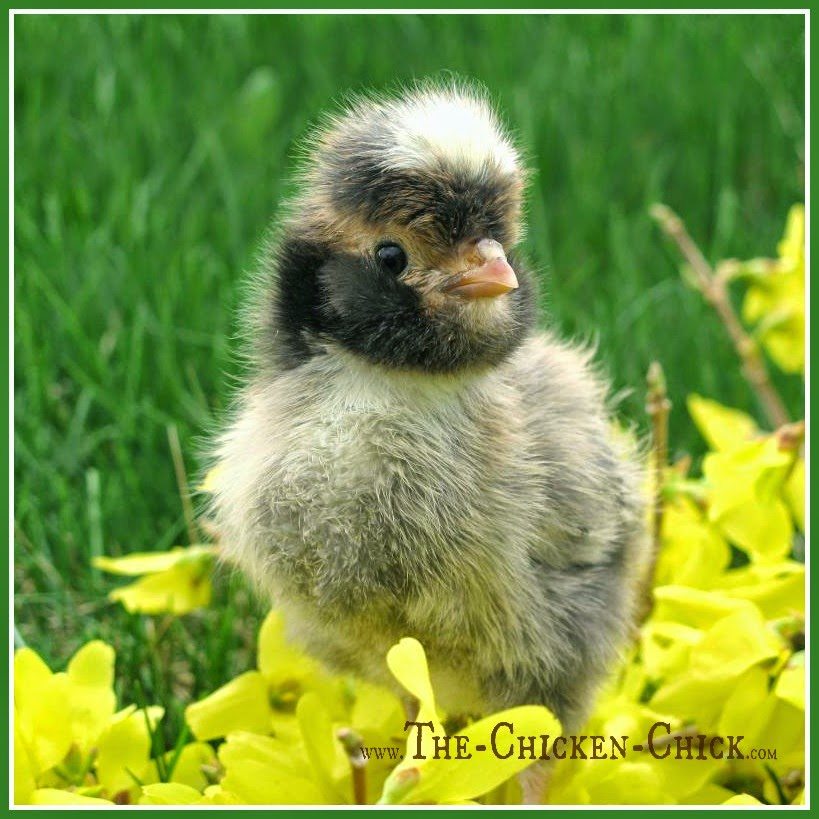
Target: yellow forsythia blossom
{"x":775,"y":301}
{"x":177,"y":581}
{"x":71,"y":745}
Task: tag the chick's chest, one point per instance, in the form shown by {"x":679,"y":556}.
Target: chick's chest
{"x":401,"y":481}
{"x":442,"y":453}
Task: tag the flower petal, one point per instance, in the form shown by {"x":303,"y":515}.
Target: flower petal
{"x":41,"y":702}
{"x":722,"y":427}
{"x":54,"y":796}
{"x":290,"y":672}
{"x":124,"y":749}
{"x":408,"y":664}
{"x":24,"y":784}
{"x":240,"y":705}
{"x":178,"y":590}
{"x":791,"y":683}
{"x":91,"y":695}
{"x":169,"y":793}
{"x":735,"y":643}
{"x":139,"y":563}
{"x":263,"y":771}
{"x":323,"y":750}
{"x":742,"y":799}
{"x":188,"y":768}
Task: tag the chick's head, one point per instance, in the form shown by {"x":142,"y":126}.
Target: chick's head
{"x":400,"y":247}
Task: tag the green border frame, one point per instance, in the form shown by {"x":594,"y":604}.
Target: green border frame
{"x":342,"y":7}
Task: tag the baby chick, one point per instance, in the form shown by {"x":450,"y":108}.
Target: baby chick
{"x":410,"y":457}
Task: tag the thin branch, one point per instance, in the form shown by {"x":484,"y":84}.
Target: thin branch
{"x":182,"y":484}
{"x":351,"y":742}
{"x":791,"y":438}
{"x":658,"y":408}
{"x":714,"y":290}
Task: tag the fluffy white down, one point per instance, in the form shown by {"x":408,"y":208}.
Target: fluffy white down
{"x":454,"y":126}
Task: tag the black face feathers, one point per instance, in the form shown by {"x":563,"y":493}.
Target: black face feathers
{"x":383,"y":320}
{"x":434,"y":165}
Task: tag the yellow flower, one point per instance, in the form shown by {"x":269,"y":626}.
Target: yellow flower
{"x":57,"y":797}
{"x":69,"y":744}
{"x":191,"y":762}
{"x":452,"y":781}
{"x":59,"y":714}
{"x":188,"y":783}
{"x":790,"y":686}
{"x":42,"y":731}
{"x":748,"y":707}
{"x":775,"y":301}
{"x":742,"y":799}
{"x":240,"y":705}
{"x":264,"y":701}
{"x":715,"y":661}
{"x":744,"y":488}
{"x":778,"y":589}
{"x":124,"y":750}
{"x":169,"y":793}
{"x":329,"y":763}
{"x":755,"y":490}
{"x":695,"y":608}
{"x":262,"y":770}
{"x":291,"y":697}
{"x":794,"y":493}
{"x":177,"y":581}
{"x":637,"y":777}
{"x":217,"y":795}
{"x":722,"y":427}
{"x":693,"y":551}
{"x":378,"y":717}
{"x":91,"y":697}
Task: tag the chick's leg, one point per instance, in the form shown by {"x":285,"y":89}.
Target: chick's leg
{"x":534,"y":782}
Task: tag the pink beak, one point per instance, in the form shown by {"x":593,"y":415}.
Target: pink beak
{"x":492,"y":278}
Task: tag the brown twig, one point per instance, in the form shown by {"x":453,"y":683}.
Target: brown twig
{"x":791,"y":438}
{"x":182,"y":484}
{"x":714,"y":289}
{"x":351,"y":742}
{"x":658,"y":408}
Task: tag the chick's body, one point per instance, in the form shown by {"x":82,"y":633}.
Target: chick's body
{"x":412,"y":459}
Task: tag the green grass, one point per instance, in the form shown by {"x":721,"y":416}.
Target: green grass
{"x":150,"y":154}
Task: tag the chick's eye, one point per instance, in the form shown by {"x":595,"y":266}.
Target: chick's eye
{"x":392,"y":258}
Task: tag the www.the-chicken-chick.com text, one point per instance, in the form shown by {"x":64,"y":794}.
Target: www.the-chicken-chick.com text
{"x":661,"y":743}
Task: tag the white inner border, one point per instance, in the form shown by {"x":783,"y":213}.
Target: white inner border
{"x":804,"y":12}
